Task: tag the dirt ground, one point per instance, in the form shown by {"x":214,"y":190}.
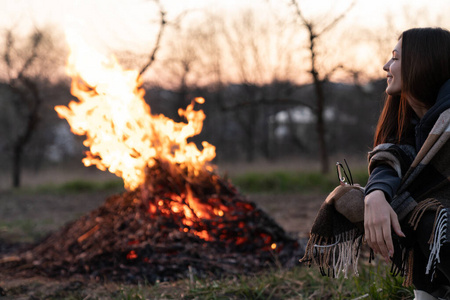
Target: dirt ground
{"x":294,"y":212}
{"x":28,"y":216}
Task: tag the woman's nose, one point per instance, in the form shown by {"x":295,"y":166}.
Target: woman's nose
{"x":386,"y":66}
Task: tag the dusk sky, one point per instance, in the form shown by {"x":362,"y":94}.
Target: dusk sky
{"x":133,"y":17}
{"x":133,"y":24}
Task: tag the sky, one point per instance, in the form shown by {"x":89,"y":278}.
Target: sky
{"x":129,"y":19}
{"x":132,"y":24}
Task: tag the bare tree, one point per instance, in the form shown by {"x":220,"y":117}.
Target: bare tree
{"x":261,"y":52}
{"x":179,"y":67}
{"x":314,"y":34}
{"x":24,"y":63}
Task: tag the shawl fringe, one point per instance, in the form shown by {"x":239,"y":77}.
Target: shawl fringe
{"x":438,"y":237}
{"x":403,"y":263}
{"x":337,"y":233}
{"x":339,"y":254}
{"x":334,"y":255}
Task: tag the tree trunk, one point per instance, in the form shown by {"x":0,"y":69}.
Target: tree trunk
{"x":17,"y":165}
{"x":320,"y":123}
{"x":320,"y":127}
{"x":32,"y":120}
{"x":313,"y":35}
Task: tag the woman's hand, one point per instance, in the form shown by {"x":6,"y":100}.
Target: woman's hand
{"x":379,"y":217}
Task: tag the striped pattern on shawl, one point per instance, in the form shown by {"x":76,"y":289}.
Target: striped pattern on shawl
{"x":425,"y":186}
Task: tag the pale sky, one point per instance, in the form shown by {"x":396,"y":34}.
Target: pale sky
{"x":120,"y":19}
{"x":133,"y":23}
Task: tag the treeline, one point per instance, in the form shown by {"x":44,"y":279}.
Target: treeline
{"x":279,"y":120}
{"x":244,"y":122}
{"x":251,"y":67}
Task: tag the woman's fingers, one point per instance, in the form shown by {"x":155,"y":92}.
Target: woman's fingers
{"x":380,"y":241}
{"x":379,"y":219}
{"x":396,"y":224}
{"x":370,"y":240}
{"x":388,"y":247}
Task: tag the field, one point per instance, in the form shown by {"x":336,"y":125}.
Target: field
{"x":51,"y":199}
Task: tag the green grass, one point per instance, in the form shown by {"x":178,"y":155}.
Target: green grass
{"x":297,"y":283}
{"x":250,"y":182}
{"x":25,"y":231}
{"x":374,"y":282}
{"x":292,"y":182}
{"x":77,"y":186}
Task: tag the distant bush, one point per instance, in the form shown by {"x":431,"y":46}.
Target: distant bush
{"x":250,"y":182}
{"x":292,"y":182}
{"x":79,"y":186}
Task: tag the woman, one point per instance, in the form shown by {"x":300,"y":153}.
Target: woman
{"x":408,"y":193}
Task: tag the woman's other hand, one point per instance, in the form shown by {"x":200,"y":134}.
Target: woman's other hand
{"x":379,"y":218}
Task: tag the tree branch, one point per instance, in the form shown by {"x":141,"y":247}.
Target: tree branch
{"x":299,"y":12}
{"x":337,"y":19}
{"x":331,"y":72}
{"x":327,"y":27}
{"x":162,"y":26}
{"x":9,"y":45}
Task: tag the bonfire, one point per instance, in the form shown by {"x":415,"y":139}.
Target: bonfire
{"x":177,"y":218}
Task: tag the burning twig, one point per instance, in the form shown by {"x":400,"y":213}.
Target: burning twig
{"x":88,"y":234}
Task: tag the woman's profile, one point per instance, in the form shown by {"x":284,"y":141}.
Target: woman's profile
{"x":407,"y":197}
{"x":403,"y":212}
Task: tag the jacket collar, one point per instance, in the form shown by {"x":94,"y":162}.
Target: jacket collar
{"x":427,"y":122}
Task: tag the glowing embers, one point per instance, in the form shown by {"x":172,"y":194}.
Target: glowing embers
{"x":132,"y":255}
{"x":152,"y":153}
{"x":153,"y":234}
{"x":189,"y":210}
{"x":177,"y":213}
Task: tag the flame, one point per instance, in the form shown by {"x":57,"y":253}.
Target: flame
{"x":125,"y":138}
{"x":122,"y":135}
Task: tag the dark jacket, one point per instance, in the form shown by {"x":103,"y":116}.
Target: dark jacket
{"x":386,"y":179}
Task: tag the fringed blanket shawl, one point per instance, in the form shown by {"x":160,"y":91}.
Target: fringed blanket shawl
{"x":337,"y":232}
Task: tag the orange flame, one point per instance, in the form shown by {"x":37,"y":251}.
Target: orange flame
{"x":121,"y":133}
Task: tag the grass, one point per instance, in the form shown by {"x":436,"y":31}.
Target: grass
{"x":276,"y":182}
{"x":300,"y":282}
{"x":297,"y":283}
{"x":77,"y":186}
{"x":292,"y":182}
{"x":23,"y":231}
{"x":374,"y":282}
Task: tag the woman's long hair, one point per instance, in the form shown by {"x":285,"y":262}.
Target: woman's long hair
{"x":425,"y":68}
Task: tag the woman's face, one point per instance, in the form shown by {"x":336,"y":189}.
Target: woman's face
{"x":393,"y":67}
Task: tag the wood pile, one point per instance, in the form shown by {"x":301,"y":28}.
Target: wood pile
{"x":137,"y":236}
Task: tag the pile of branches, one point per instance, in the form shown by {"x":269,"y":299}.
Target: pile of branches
{"x":122,"y":240}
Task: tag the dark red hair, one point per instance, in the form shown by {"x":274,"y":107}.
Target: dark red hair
{"x":425,"y":68}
